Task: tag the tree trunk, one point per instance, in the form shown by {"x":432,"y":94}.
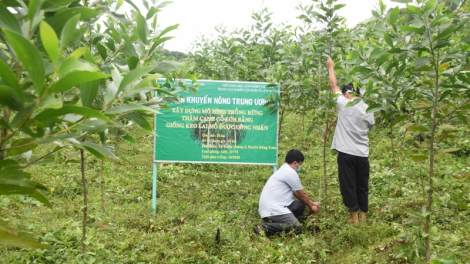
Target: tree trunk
{"x":4,"y":132}
{"x":115,"y":147}
{"x":401,"y":147}
{"x":85,"y":201}
{"x":281,"y":119}
{"x":393,"y":147}
{"x":102,"y":186}
{"x":422,"y":184}
{"x":431,"y":156}
{"x":325,"y":141}
{"x":325,"y":181}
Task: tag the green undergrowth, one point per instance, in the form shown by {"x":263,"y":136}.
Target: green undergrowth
{"x":196,"y":201}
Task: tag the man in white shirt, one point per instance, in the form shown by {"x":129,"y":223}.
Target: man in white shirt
{"x":277,"y":207}
{"x":352,"y":144}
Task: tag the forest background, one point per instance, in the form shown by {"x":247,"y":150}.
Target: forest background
{"x":78,"y":93}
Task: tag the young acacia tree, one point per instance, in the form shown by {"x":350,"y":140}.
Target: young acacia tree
{"x":63,"y":78}
{"x":326,"y":44}
{"x":423,"y":67}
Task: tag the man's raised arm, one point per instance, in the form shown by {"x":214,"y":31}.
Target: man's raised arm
{"x":331,"y":70}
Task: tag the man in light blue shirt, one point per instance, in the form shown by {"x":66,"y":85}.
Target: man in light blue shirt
{"x":277,"y":206}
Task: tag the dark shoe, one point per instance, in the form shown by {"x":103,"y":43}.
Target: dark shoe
{"x":255,"y":229}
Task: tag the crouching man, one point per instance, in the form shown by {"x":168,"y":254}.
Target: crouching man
{"x":277,"y":207}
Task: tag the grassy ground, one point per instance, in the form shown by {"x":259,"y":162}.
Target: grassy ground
{"x":196,"y":200}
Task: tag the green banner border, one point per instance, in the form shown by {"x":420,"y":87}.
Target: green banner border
{"x":209,"y":162}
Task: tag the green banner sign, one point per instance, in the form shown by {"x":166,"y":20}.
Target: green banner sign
{"x":225,"y":122}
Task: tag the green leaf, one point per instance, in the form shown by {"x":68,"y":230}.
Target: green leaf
{"x":142,"y":27}
{"x":134,"y":75}
{"x":59,"y":20}
{"x":110,"y":45}
{"x":418,"y":157}
{"x":139,"y":119}
{"x":97,"y":150}
{"x":388,"y":40}
{"x":441,"y":44}
{"x":363,"y":70}
{"x":129,"y":138}
{"x":370,"y":87}
{"x":417,"y":128}
{"x":68,"y":30}
{"x":20,"y":146}
{"x":396,"y":50}
{"x":151,"y":13}
{"x":130,"y":2}
{"x":449,"y":150}
{"x":430,"y":6}
{"x":168,"y":29}
{"x":8,"y":20}
{"x":8,"y":77}
{"x":163,"y":4}
{"x":338,"y":7}
{"x":88,"y":92}
{"x":8,"y":163}
{"x":448,"y":127}
{"x":47,"y":114}
{"x":75,"y":78}
{"x":167,"y":66}
{"x":9,"y":98}
{"x":398,"y":119}
{"x":375,"y":108}
{"x":194,"y":78}
{"x":102,"y":51}
{"x":92,"y":126}
{"x":128,"y":108}
{"x":442,"y":261}
{"x":413,"y":29}
{"x":50,"y":101}
{"x":114,"y":34}
{"x":402,"y":1}
{"x":465,"y":39}
{"x":414,"y":9}
{"x":4,"y":123}
{"x":132,"y":62}
{"x":49,"y":41}
{"x":33,"y":8}
{"x":40,"y":197}
{"x":119,"y":4}
{"x":88,"y":57}
{"x":20,"y":239}
{"x":157,"y":42}
{"x":394,"y":14}
{"x":353,"y":102}
{"x":420,"y":62}
{"x":73,"y":64}
{"x":29,"y":56}
{"x":58,"y":137}
{"x":446,"y":33}
{"x":422,"y":105}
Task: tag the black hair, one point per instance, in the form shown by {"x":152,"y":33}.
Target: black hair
{"x":294,"y":155}
{"x":350,"y":87}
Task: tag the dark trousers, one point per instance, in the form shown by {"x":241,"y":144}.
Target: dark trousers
{"x":277,"y":224}
{"x":353,"y":172}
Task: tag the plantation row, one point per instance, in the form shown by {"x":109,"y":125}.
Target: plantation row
{"x":411,"y":65}
{"x":69,"y":89}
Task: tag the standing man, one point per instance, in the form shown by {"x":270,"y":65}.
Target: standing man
{"x":277,"y":207}
{"x":351,"y":142}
